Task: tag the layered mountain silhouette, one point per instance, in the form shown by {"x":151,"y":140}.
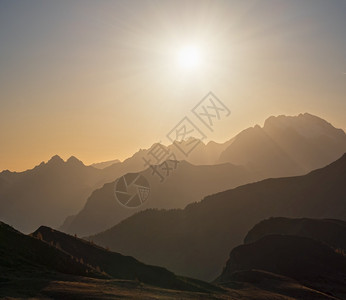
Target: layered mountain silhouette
{"x":23,"y":253}
{"x":287,"y":146}
{"x":310,"y":262}
{"x":49,"y":253}
{"x":54,"y":265}
{"x":287,"y":255}
{"x":116,"y":265}
{"x":105,"y":164}
{"x":195,"y":241}
{"x":309,"y":251}
{"x":54,"y":190}
{"x":51,"y":191}
{"x":46,"y":193}
{"x":184,"y":184}
{"x":281,"y":148}
{"x":328,"y":231}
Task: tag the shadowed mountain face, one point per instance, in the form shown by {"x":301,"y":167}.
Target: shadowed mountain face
{"x":51,"y":191}
{"x":284,"y":146}
{"x":105,"y":164}
{"x":329,"y":231}
{"x":185,"y":184}
{"x":287,"y":146}
{"x":310,"y":262}
{"x":46,"y":193}
{"x":23,"y":253}
{"x":281,"y":250}
{"x":49,"y":252}
{"x":116,"y":265}
{"x":196,"y":241}
{"x":54,"y":265}
{"x":281,"y":148}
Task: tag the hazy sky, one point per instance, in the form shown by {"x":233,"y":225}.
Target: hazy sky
{"x":100,"y":79}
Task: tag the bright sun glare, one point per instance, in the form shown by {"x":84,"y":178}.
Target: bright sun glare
{"x":190,"y":57}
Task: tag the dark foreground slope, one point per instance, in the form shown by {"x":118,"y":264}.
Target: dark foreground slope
{"x":277,"y":251}
{"x":47,"y":250}
{"x":116,"y":265}
{"x":82,"y":288}
{"x":19,"y":252}
{"x":196,"y":241}
{"x":53,"y":264}
{"x":70,"y":268}
{"x":310,"y":262}
{"x":329,"y":231}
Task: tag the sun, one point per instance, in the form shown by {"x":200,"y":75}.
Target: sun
{"x":190,"y":57}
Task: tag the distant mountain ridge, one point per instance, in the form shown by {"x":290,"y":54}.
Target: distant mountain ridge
{"x":52,"y":191}
{"x":105,"y":164}
{"x":203,"y":232}
{"x":186,"y":184}
{"x":263,"y":152}
{"x":287,"y":139}
{"x":287,"y":146}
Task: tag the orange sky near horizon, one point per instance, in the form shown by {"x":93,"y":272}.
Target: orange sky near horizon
{"x":99,"y":80}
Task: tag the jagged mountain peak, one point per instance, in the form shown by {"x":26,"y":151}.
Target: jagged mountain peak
{"x":283,"y":119}
{"x":305,"y":124}
{"x":55,"y":159}
{"x":74,"y":160}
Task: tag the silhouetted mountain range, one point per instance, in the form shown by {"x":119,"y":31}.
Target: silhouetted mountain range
{"x":287,"y":146}
{"x":291,"y":138}
{"x":116,"y":265}
{"x":48,"y":252}
{"x":196,"y":241}
{"x":51,"y":264}
{"x":309,"y":251}
{"x":23,"y":253}
{"x":310,"y":262}
{"x":105,"y":164}
{"x":52,"y":191}
{"x":186,"y":184}
{"x":329,"y":231}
